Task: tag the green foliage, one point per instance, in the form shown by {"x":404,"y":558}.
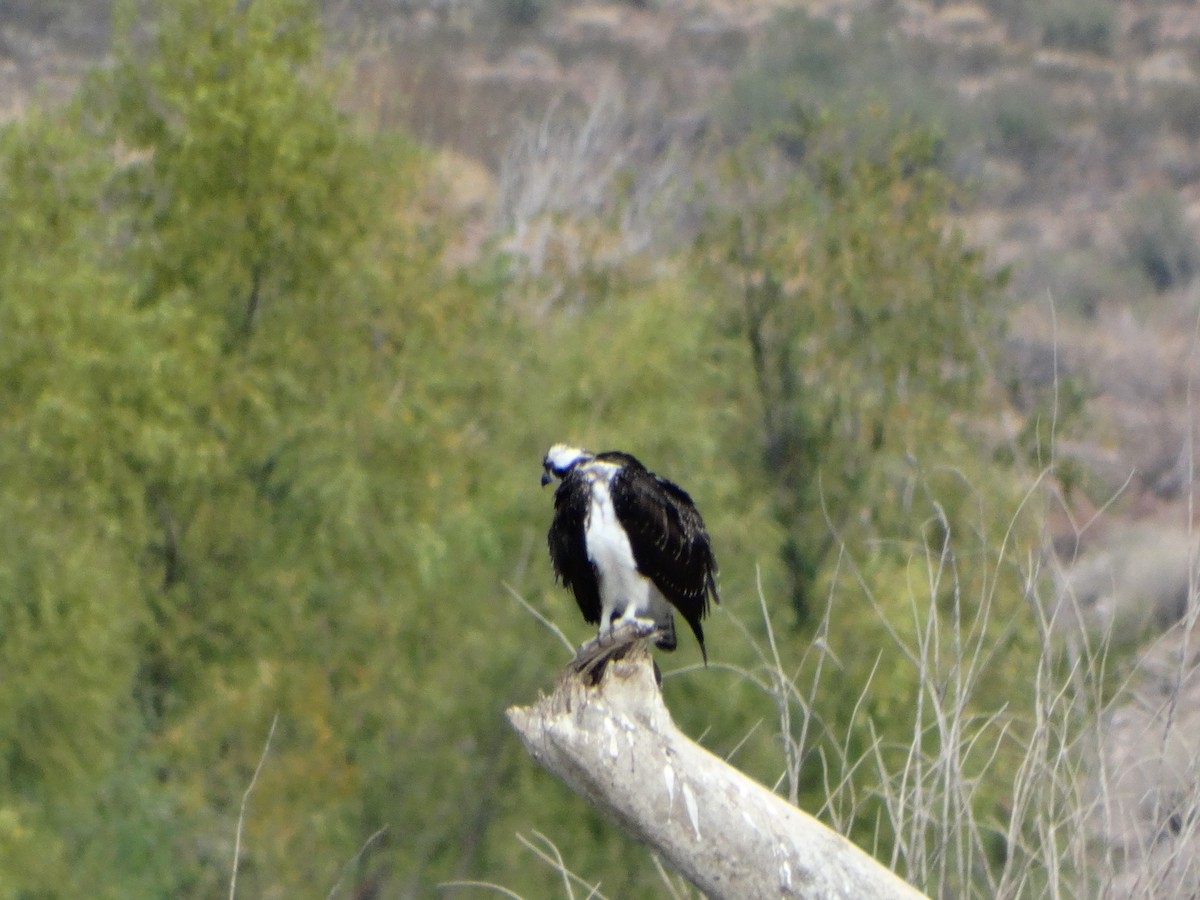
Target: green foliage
{"x":264,"y":453}
{"x":278,"y":442}
{"x":234,"y":377}
{"x":245,"y":153}
{"x":67,"y":625}
{"x":863,"y":322}
{"x":867,"y":325}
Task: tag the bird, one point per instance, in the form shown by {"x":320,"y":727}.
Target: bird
{"x":629,"y":544}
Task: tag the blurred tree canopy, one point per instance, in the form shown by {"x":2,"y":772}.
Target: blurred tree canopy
{"x":865,"y":320}
{"x":866,"y":328}
{"x":266,"y":452}
{"x":229,"y":389}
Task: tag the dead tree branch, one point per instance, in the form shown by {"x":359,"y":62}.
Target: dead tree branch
{"x":615,"y":745}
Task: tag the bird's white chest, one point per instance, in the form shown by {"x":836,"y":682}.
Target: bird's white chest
{"x":607,"y":544}
{"x":624,"y":592}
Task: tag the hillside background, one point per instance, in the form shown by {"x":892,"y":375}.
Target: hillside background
{"x":293,"y":299}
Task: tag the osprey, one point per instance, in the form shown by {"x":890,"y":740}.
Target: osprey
{"x":630,"y":545}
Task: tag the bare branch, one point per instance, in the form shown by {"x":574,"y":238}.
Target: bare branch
{"x":237,"y":840}
{"x":529,"y":608}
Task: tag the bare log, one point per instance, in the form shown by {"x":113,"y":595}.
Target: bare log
{"x":615,"y":745}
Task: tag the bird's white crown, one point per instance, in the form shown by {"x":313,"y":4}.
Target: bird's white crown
{"x":561,"y":457}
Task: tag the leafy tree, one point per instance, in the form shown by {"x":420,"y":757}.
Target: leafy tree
{"x":232,"y":371}
{"x":866,"y":323}
{"x":67,"y":627}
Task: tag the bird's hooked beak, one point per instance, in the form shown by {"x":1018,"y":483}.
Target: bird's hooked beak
{"x":546,"y":477}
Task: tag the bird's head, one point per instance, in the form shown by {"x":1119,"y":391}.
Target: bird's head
{"x":561,"y":459}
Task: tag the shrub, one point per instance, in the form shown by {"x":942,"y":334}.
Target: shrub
{"x":1159,"y":241}
{"x":1087,"y":26}
{"x":1022,"y":123}
{"x":809,"y":67}
{"x":521,"y":13}
{"x":1180,"y":105}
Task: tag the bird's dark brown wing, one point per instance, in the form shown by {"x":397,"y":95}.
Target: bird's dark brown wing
{"x":670,"y":543}
{"x":568,"y":545}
